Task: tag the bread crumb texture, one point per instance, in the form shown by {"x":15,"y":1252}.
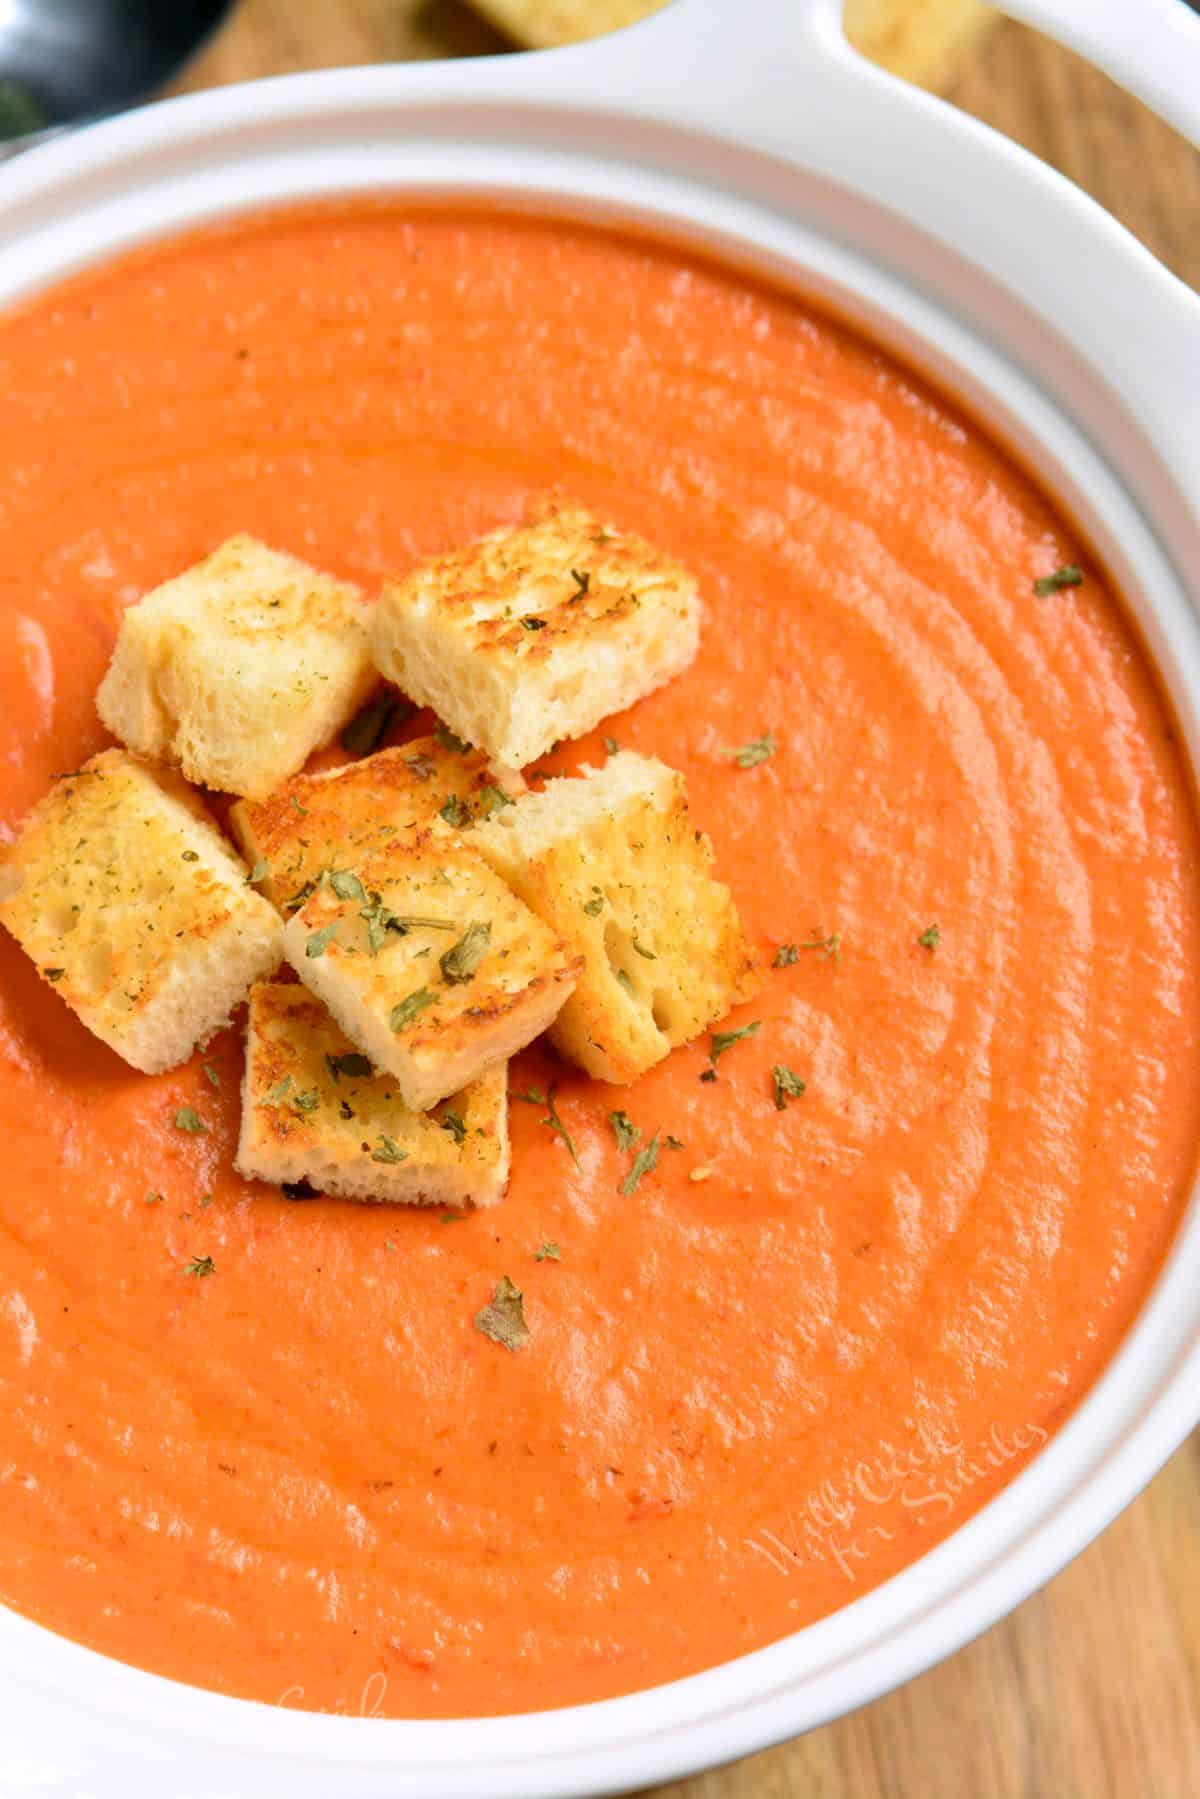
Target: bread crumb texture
{"x":238,"y":668}
{"x":434,"y":969}
{"x":136,"y":910}
{"x":613,"y":864}
{"x":345,"y":815}
{"x":538,"y":631}
{"x":314,"y":1110}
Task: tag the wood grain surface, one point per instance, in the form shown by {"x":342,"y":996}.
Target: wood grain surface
{"x":1092,"y":1689}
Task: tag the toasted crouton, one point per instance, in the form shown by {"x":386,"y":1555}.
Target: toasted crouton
{"x":336,"y":819}
{"x":537,"y":632}
{"x":429,"y":964}
{"x":314,"y":1110}
{"x":132,"y":905}
{"x":238,"y":668}
{"x":613,"y":865}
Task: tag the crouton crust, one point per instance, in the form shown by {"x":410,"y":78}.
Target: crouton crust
{"x":537,"y":631}
{"x":312,"y":1112}
{"x":343,"y":815}
{"x":614,"y":865}
{"x":135,"y":909}
{"x":464,"y":977}
{"x":237,"y":669}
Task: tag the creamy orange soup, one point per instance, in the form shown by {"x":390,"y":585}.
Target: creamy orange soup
{"x":745,"y":1400}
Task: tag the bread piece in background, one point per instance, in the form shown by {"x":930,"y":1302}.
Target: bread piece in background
{"x":345,"y":815}
{"x":313,"y":1109}
{"x":923,"y":40}
{"x":429,"y":964}
{"x":537,"y":631}
{"x":135,"y":909}
{"x":613,"y":864}
{"x":238,"y":668}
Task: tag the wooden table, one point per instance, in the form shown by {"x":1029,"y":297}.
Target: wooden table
{"x":1092,"y":1689}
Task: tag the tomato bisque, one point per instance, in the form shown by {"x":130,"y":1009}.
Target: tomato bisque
{"x":261,"y":1446}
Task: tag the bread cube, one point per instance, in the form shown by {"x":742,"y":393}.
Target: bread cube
{"x":335,"y":819}
{"x":239,"y":668}
{"x":612,"y":863}
{"x":314,"y":1110}
{"x":429,"y":964}
{"x":135,"y":909}
{"x":538,"y":631}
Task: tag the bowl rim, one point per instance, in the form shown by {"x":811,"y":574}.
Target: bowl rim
{"x":211,"y":153}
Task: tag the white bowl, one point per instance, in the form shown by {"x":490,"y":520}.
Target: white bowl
{"x":750,"y":129}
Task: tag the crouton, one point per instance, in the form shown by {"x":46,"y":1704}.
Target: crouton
{"x":239,"y":668}
{"x":613,"y":865}
{"x":429,"y":964}
{"x":537,"y":632}
{"x":335,"y":819}
{"x":314,"y":1110}
{"x":135,"y":909}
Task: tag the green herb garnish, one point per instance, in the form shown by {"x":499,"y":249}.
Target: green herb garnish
{"x":723,"y":1040}
{"x":595,"y":905}
{"x":643,"y":951}
{"x":154,"y":1199}
{"x":54,"y":974}
{"x":302,"y":810}
{"x":626,"y":981}
{"x":829,"y":946}
{"x":411,"y":1008}
{"x":535,"y":1097}
{"x":548,"y":1252}
{"x":200,"y":1266}
{"x":261,"y":870}
{"x":503,"y":1318}
{"x":389,"y":1151}
{"x":452,"y":1122}
{"x":346,"y":884}
{"x":624,"y":1129}
{"x":279,"y":1093}
{"x":446,"y":738}
{"x":930,"y":938}
{"x":188,"y":1119}
{"x":190,"y":856}
{"x":787,"y":1085}
{"x":317,"y":940}
{"x":459,"y":963}
{"x":611,"y":745}
{"x":492,"y":799}
{"x":786,"y":955}
{"x":1069,"y":575}
{"x":534,"y":624}
{"x":352,"y":1065}
{"x":210,"y":1074}
{"x":751,"y":754}
{"x":307,"y":1101}
{"x":645,"y":1162}
{"x":453,"y":811}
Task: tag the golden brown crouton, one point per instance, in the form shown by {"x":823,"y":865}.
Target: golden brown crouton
{"x":133,"y":906}
{"x":339,"y":818}
{"x":537,"y":632}
{"x":239,"y":668}
{"x":314,"y":1110}
{"x":613,"y":864}
{"x":429,"y":964}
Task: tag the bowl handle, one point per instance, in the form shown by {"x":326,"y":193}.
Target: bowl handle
{"x":778,"y":76}
{"x":1151,"y":47}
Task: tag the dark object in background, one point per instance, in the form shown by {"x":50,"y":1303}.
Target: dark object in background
{"x":62,"y":61}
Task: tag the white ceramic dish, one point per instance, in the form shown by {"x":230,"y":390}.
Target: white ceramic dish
{"x":749,"y":128}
